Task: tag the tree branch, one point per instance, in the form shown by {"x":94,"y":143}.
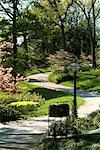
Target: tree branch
{"x":55,"y":8}
{"x":92,"y":6}
{"x":97,"y":14}
{"x":82,"y":8}
{"x":69,"y":5}
{"x":8,"y":13}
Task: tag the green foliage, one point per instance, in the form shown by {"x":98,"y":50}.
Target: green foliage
{"x":85,"y":140}
{"x":8,"y":114}
{"x":72,"y":125}
{"x":84,"y":143}
{"x":9,"y":98}
{"x":95,"y":118}
{"x":58,"y":77}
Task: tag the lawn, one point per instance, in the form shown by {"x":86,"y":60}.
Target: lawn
{"x":51,"y":96}
{"x":89,"y":80}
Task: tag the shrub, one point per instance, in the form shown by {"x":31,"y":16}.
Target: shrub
{"x":8,"y":114}
{"x":24,"y":106}
{"x":70,"y":144}
{"x":7,"y":99}
{"x":72,"y":125}
{"x":58,"y":77}
{"x":62,"y":127}
{"x":61,"y":60}
{"x":85,"y":61}
{"x":85,"y":67}
{"x":7,"y":80}
{"x":95,"y":118}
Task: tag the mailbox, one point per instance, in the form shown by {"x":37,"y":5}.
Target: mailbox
{"x":59,"y":110}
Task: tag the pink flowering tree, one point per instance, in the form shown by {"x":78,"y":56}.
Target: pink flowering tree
{"x":7,"y":83}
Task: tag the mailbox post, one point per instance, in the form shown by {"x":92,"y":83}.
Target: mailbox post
{"x":58,"y":110}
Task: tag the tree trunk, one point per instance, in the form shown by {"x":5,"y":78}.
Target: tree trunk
{"x":25,"y":43}
{"x":92,"y":43}
{"x":94,"y":39}
{"x":63,"y":36}
{"x":14,"y":32}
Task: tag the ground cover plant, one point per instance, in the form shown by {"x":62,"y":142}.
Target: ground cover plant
{"x":24,"y":106}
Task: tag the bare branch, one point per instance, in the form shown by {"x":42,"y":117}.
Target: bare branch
{"x":6,"y":11}
{"x":83,"y":9}
{"x":69,"y":5}
{"x":56,"y":23}
{"x":91,"y":6}
{"x":97,"y":14}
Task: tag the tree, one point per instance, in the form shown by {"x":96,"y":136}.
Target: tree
{"x":56,"y":13}
{"x":12,"y":13}
{"x":12,"y":10}
{"x":90,"y":16}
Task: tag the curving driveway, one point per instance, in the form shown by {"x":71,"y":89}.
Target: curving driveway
{"x":92,"y":99}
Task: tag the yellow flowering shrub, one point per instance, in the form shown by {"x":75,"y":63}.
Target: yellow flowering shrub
{"x":23,"y":103}
{"x":24,"y":106}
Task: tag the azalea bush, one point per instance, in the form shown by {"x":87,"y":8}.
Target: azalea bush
{"x":7,"y":83}
{"x":62,"y":60}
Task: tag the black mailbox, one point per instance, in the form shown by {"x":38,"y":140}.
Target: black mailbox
{"x":59,"y":110}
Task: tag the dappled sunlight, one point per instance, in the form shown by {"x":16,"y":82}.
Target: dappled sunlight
{"x":16,"y":138}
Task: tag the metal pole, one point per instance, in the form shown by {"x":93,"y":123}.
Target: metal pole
{"x":75,"y":102}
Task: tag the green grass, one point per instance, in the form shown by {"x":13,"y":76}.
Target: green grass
{"x":89,"y":80}
{"x":35,"y":71}
{"x":51,"y":96}
{"x":68,"y":99}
